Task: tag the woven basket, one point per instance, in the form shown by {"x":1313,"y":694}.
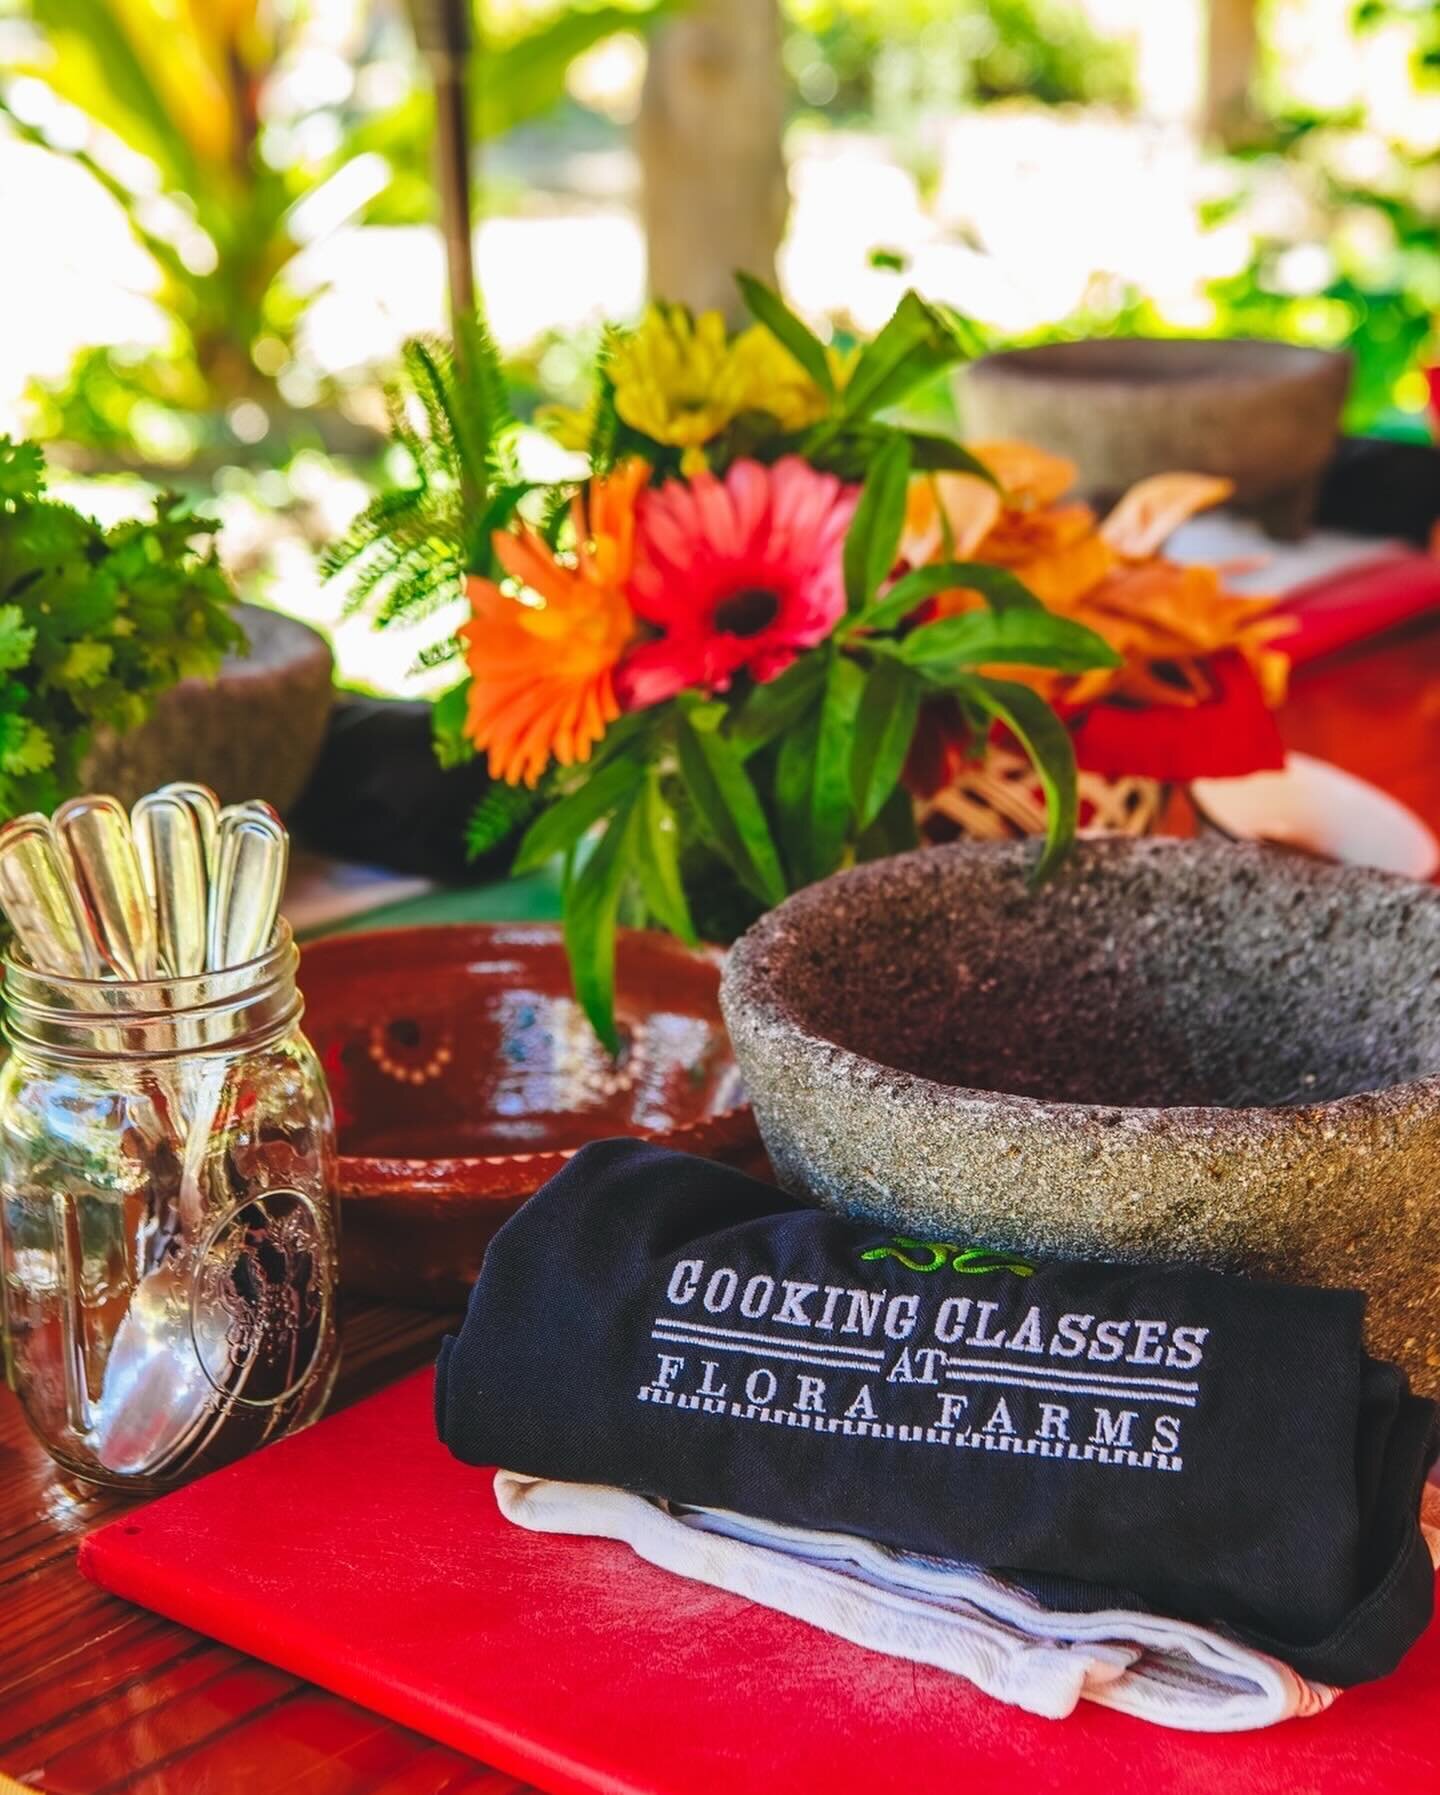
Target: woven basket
{"x":999,"y":798}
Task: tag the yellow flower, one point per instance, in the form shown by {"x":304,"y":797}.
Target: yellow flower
{"x":682,"y":380}
{"x":572,"y":426}
{"x":768,"y":378}
{"x":674,"y":377}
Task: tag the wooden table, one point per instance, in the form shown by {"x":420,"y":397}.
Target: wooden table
{"x":97,"y":1696}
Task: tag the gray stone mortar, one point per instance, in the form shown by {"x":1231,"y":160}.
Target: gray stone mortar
{"x":1175,"y":1051}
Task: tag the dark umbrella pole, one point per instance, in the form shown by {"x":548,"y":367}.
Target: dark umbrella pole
{"x":443,"y":35}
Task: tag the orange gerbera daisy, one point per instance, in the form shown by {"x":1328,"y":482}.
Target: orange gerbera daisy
{"x":542,"y":662}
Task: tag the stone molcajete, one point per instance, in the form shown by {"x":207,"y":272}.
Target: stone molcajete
{"x":1174,"y":1051}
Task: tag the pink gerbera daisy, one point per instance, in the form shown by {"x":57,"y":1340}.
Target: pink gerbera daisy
{"x":738,"y":574}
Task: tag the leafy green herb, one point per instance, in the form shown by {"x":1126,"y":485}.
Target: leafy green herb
{"x":503,"y":810}
{"x":94,"y":625}
{"x":1000,"y":589}
{"x":919,"y":340}
{"x":659,"y":862}
{"x":563,"y":825}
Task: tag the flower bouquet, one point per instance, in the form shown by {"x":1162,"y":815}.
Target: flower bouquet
{"x":720,"y":661}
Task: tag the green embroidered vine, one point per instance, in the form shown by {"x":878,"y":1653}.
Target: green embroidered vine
{"x":940,"y":1254}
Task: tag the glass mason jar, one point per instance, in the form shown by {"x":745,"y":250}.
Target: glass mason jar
{"x":168,"y":1237}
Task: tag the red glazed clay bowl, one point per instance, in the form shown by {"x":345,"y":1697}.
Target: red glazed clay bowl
{"x":464,"y":1075}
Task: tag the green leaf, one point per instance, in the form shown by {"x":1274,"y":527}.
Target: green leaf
{"x":22,"y":470}
{"x":85,"y":664}
{"x":772,"y":709}
{"x":633,"y":734}
{"x":503,"y":810}
{"x":873,"y":539}
{"x":726,"y":804}
{"x":17,"y":639}
{"x":659,"y":862}
{"x":918,"y":341}
{"x":943,"y":455}
{"x":592,"y":905}
{"x":812,"y":775}
{"x":1000,"y":589}
{"x":1052,"y":753}
{"x":1006,"y":638}
{"x":448,"y":716}
{"x":767,"y":307}
{"x":30,"y":750}
{"x":562,"y":825}
{"x":892,"y":832}
{"x":884,"y":729}
{"x":520,"y":79}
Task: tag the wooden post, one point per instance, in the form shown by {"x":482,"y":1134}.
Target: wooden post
{"x":709,"y":141}
{"x":442,"y":32}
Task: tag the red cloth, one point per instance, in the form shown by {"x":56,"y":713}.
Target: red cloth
{"x":1345,"y":608}
{"x":361,"y":1555}
{"x":1234,"y":733}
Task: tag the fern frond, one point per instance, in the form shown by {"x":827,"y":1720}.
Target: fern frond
{"x":424,"y":591}
{"x":374,"y":524}
{"x":500,"y":814}
{"x":408,"y":551}
{"x":438,"y":654}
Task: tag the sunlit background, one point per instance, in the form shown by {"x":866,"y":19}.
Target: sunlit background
{"x":218,"y":220}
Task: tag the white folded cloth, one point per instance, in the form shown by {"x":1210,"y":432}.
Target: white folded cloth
{"x":934,"y":1611}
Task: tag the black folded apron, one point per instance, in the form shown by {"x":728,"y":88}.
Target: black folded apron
{"x":1207,"y":1446}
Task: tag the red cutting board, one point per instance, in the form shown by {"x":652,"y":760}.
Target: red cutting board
{"x":361,"y":1555}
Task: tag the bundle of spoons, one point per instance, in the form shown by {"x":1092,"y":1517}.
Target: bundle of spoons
{"x":177,"y":888}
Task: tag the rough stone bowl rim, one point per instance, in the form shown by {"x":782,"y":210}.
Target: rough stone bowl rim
{"x":742,"y":986}
{"x":1256,"y":362}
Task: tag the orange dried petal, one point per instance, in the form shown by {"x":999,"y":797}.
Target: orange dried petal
{"x":1153,"y":509}
{"x":1061,"y":577}
{"x":969,"y":510}
{"x":1028,"y":476}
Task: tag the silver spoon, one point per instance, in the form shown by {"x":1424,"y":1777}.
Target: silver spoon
{"x":94,"y":835}
{"x":158,"y":1404}
{"x":170,"y":841}
{"x":206,"y":809}
{"x":39,"y":902}
{"x":252,"y":851}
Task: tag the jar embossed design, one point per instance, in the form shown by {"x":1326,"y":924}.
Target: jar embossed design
{"x":168,"y":1236}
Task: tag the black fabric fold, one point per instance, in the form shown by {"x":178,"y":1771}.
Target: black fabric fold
{"x":1212,"y":1447}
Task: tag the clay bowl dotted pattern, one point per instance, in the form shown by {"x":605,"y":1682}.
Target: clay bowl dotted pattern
{"x":464,"y":1075}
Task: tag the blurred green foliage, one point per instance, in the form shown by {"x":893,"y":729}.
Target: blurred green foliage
{"x":1343,"y":213}
{"x":860,"y":57}
{"x":226,"y":170}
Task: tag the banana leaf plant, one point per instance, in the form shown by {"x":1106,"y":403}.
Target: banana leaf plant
{"x":215,"y":194}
